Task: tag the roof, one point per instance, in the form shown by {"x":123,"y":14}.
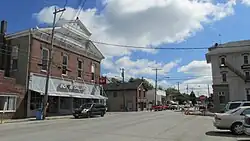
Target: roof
{"x":229,"y":47}
{"x":123,"y":86}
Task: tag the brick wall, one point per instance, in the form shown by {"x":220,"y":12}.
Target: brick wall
{"x":8,"y":86}
{"x":36,"y":52}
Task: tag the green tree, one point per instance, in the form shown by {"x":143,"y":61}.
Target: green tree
{"x":160,"y":88}
{"x":114,"y":80}
{"x":146,"y":84}
{"x":193,"y":98}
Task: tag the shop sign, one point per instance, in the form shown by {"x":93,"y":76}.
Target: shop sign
{"x":70,"y":88}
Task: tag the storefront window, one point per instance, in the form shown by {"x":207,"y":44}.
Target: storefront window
{"x":65,"y":103}
{"x":7,"y":103}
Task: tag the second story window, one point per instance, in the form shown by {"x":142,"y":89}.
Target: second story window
{"x":224,"y":77}
{"x":139,"y":93}
{"x":245,"y":59}
{"x":14,"y":58}
{"x":45,"y":59}
{"x":247,"y":75}
{"x":248,"y":94}
{"x":93,"y":72}
{"x":79,"y":69}
{"x":222,"y":61}
{"x":64,"y":64}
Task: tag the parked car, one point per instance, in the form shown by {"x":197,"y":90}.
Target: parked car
{"x":165,"y":107}
{"x":157,"y":107}
{"x":235,"y":104}
{"x":246,"y":124}
{"x":173,"y":107}
{"x":231,"y":120}
{"x":89,"y":110}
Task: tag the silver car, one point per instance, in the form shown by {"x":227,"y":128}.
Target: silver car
{"x":246,"y":124}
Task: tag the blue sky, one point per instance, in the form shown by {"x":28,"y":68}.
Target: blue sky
{"x":120,"y":24}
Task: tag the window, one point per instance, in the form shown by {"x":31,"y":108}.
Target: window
{"x":35,"y":100}
{"x":65,"y":103}
{"x":64,"y":64}
{"x":14,"y":57}
{"x":222,"y":61}
{"x":7,"y":103}
{"x":222,"y":98}
{"x":248,"y":94}
{"x":144,"y":94}
{"x":139,"y":93}
{"x":234,"y":105}
{"x":246,"y":112}
{"x":246,"y":104}
{"x":79,"y":68}
{"x":224,"y":77}
{"x":45,"y":59}
{"x":247,"y":75}
{"x":115,"y":94}
{"x":245,"y":59}
{"x":93,"y":72}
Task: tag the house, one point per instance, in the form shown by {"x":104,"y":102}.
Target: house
{"x":160,"y":96}
{"x":75,"y":69}
{"x":230,"y":72}
{"x":130,"y":94}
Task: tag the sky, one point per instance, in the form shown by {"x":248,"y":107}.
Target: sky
{"x":146,"y":23}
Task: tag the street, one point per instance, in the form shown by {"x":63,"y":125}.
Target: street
{"x":131,"y":126}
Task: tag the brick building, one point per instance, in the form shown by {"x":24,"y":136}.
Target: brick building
{"x":75,"y":69}
{"x":132,"y":94}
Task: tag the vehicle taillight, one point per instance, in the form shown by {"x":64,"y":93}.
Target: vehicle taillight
{"x":247,"y":120}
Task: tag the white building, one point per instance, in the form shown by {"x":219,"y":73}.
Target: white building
{"x":160,"y":94}
{"x":230,"y":71}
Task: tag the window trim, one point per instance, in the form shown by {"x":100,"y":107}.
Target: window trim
{"x":42,"y":59}
{"x":10,"y":111}
{"x":65,"y":55}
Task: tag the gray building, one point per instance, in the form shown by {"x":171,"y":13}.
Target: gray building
{"x":230,"y":71}
{"x":132,"y":94}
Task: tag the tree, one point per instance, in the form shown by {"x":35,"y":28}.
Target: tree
{"x":160,"y":88}
{"x":193,"y":98}
{"x":131,"y":79}
{"x":146,"y":84}
{"x":114,"y":80}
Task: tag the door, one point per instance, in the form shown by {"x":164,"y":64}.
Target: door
{"x":94,"y":109}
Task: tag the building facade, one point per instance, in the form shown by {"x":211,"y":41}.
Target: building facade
{"x":130,"y":94}
{"x":160,"y":96}
{"x":230,"y":71}
{"x":75,"y":69}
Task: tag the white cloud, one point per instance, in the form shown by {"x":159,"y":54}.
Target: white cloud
{"x":196,"y":68}
{"x":200,"y":79}
{"x":143,"y":22}
{"x":247,"y":2}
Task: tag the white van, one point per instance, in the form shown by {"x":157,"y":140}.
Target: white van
{"x":236,"y":104}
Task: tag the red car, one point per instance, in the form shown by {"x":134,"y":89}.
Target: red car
{"x":157,"y":107}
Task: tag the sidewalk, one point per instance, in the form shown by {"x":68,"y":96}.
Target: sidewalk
{"x":47,"y":118}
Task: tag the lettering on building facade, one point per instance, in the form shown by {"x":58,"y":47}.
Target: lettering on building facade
{"x":70,"y":88}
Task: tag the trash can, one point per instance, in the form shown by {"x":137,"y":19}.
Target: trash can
{"x":39,"y":114}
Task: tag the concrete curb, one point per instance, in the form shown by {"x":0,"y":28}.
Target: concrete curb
{"x":200,"y":114}
{"x":47,"y":118}
{"x":33,"y":119}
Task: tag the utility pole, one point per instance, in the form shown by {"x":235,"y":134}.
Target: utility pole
{"x":178,"y":86}
{"x":123,"y":91}
{"x":208,"y":91}
{"x":156,"y":77}
{"x":50,"y":62}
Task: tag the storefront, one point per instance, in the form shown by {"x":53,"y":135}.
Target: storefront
{"x":64,"y":95}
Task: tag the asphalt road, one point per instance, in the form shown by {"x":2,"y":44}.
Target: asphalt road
{"x":141,"y":126}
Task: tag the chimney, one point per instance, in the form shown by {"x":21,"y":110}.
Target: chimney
{"x":3,"y":30}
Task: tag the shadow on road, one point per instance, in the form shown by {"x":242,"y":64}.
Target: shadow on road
{"x":223,"y":134}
